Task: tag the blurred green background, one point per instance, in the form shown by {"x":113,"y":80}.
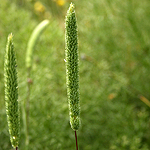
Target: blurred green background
{"x":114,"y":49}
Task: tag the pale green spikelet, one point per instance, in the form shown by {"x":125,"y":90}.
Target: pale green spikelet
{"x":72,"y":67}
{"x":32,"y":41}
{"x":11,"y":92}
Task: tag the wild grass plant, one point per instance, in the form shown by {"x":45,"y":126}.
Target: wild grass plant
{"x":72,"y":68}
{"x":11,"y":93}
{"x":29,"y":58}
{"x":112,"y":61}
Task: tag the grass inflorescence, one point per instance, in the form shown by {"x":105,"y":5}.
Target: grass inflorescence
{"x":11,"y":92}
{"x":72,"y":67}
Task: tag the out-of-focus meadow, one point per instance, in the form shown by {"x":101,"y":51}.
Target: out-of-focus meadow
{"x":114,"y":50}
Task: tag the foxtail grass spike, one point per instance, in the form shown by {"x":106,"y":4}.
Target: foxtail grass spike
{"x":11,"y":92}
{"x":29,"y":54}
{"x":32,"y":41}
{"x":72,"y":67}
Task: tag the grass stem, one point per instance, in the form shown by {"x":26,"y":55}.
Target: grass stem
{"x":76,"y":140}
{"x":27,"y":109}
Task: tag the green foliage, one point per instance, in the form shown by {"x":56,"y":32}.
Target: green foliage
{"x":114,"y":72}
{"x":11,"y":92}
{"x":72,"y":67}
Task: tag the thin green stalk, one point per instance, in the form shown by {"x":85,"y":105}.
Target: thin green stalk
{"x":11,"y":93}
{"x":26,"y":107}
{"x":25,"y":125}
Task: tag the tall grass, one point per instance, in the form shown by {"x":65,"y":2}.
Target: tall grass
{"x":112,"y":60}
{"x":72,"y":68}
{"x":29,"y":58}
{"x":11,"y":93}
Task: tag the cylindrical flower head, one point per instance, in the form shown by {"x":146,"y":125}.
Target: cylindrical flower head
{"x":72,"y":67}
{"x":11,"y":92}
{"x":32,"y":41}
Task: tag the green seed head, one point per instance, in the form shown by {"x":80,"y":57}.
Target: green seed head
{"x":72,"y":67}
{"x":11,"y":92}
{"x":32,"y":41}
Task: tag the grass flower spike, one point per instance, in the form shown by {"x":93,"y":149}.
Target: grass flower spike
{"x":72,"y":67}
{"x":32,"y":41}
{"x":11,"y":92}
